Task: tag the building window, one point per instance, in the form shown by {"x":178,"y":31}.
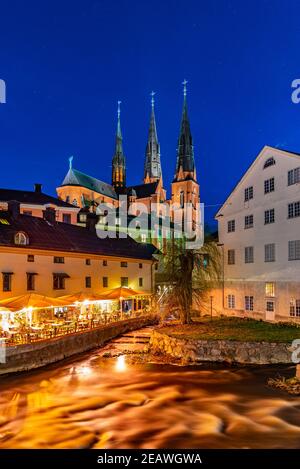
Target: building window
{"x":270,"y":252}
{"x":88,"y":261}
{"x":269,"y":216}
{"x":104,"y":263}
{"x":140,"y":265}
{"x":124,"y":281}
{"x":143,"y":238}
{"x":294,"y":176}
{"x":140,"y":281}
{"x":231,"y":226}
{"x":118,"y":221}
{"x":269,"y":162}
{"x":27,"y":212}
{"x":249,"y":303}
{"x":295,"y":308}
{"x":6,"y":279}
{"x":124,"y":264}
{"x":59,"y":281}
{"x":231,"y":301}
{"x":270,"y":306}
{"x":75,"y":202}
{"x":248,"y":221}
{"x":248,"y":193}
{"x":269,"y":185}
{"x":294,"y":250}
{"x":30,"y":258}
{"x":58,"y":260}
{"x":270,"y":289}
{"x":21,"y":238}
{"x":104,"y":282}
{"x":231,"y":256}
{"x":249,"y":255}
{"x":82,"y":217}
{"x":68,"y":199}
{"x":181,"y":199}
{"x":66,"y":218}
{"x":88,"y":282}
{"x":30,"y":281}
{"x":294,"y":210}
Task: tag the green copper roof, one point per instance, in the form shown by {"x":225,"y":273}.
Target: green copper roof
{"x":76,"y":178}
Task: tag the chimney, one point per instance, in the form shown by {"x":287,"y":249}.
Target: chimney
{"x":49,"y":215}
{"x":91,"y":221}
{"x":38,"y":188}
{"x":13,"y":207}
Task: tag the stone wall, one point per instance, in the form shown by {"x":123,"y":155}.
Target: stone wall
{"x":35,"y":355}
{"x":230,"y":351}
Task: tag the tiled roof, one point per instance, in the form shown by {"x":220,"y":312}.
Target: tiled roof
{"x":69,"y":238}
{"x":31,"y":197}
{"x":144,"y":190}
{"x":76,"y":178}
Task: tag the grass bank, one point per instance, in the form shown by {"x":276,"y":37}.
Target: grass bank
{"x":242,"y":329}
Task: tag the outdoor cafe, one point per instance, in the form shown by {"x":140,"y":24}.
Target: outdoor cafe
{"x":32,"y":317}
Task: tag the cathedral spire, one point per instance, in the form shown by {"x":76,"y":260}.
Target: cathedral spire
{"x":118,"y":161}
{"x":152,"y":170}
{"x":185,"y":164}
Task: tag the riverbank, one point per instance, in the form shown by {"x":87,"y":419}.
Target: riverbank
{"x":30,"y":356}
{"x":229,"y":340}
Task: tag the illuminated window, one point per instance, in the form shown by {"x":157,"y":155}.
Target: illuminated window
{"x":143,"y":238}
{"x":270,"y":289}
{"x":4,"y":222}
{"x":231,"y":301}
{"x":21,"y":239}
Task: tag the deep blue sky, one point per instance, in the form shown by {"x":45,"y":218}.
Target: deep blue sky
{"x":66,"y":63}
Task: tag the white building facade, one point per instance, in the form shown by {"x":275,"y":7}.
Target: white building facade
{"x":259,"y":234}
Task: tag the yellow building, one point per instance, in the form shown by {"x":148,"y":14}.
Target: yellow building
{"x":52,"y":258}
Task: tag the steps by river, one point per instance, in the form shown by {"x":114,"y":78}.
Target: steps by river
{"x":129,"y":343}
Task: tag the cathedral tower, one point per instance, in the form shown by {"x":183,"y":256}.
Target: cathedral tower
{"x":118,"y":161}
{"x":152,"y":170}
{"x":185,"y":189}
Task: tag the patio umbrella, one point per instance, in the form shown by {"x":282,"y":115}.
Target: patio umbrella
{"x":122,"y":292}
{"x":32,"y":300}
{"x":82,"y":296}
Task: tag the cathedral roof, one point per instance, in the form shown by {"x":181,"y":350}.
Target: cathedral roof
{"x":144,"y":190}
{"x":77,"y":178}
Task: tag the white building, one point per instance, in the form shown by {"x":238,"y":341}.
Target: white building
{"x":259,"y":231}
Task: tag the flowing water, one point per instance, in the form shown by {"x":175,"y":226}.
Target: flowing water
{"x":115,"y":398}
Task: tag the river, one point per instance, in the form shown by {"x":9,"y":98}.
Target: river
{"x":117,"y":397}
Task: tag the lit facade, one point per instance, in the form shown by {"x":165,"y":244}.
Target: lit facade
{"x":259,"y":234}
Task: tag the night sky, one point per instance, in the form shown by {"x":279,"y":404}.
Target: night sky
{"x":66,"y":63}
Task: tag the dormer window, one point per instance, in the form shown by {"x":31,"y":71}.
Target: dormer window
{"x":269,"y":162}
{"x":21,"y":239}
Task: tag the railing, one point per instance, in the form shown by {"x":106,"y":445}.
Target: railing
{"x":52,"y":330}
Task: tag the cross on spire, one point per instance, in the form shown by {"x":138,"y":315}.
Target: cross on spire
{"x":152,"y":98}
{"x":185,"y":82}
{"x":119,"y":109}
